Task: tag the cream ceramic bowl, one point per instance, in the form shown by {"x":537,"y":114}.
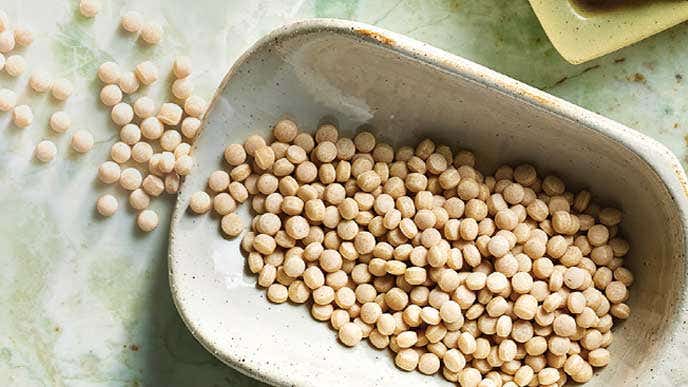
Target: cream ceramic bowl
{"x":405,"y":90}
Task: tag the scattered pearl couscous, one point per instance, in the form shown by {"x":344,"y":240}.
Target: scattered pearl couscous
{"x":507,"y":279}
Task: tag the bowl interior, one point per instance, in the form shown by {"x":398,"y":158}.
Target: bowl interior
{"x":358,"y":78}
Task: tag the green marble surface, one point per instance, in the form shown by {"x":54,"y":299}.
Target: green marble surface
{"x":86,"y":301}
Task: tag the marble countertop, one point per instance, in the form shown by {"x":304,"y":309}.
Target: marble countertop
{"x":86,"y":300}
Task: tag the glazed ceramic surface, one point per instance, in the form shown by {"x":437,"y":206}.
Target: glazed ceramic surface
{"x":582,"y":33}
{"x":404,"y":90}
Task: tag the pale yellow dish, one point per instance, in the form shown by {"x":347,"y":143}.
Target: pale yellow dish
{"x":581,"y":34}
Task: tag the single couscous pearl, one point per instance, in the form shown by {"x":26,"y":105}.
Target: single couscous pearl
{"x":6,"y":41}
{"x":138,"y":199}
{"x":183,"y":165}
{"x":153,"y":185}
{"x":232,"y":225}
{"x":350,"y":334}
{"x":108,"y":73}
{"x":40,"y":81}
{"x":128,"y":82}
{"x":146,"y":72}
{"x":130,"y":134}
{"x":151,"y":32}
{"x":218,"y":181}
{"x":195,"y":106}
{"x":152,"y":128}
{"x":147,"y":220}
{"x":23,"y":36}
{"x":22,"y":116}
{"x":170,"y":113}
{"x":45,"y":151}
{"x":199,"y":202}
{"x":130,"y":179}
{"x":107,"y":205}
{"x":15,"y":65}
{"x":132,"y":21}
{"x":8,"y":100}
{"x":182,"y":88}
{"x":109,"y":172}
{"x":122,"y":113}
{"x":141,"y":152}
{"x":190,"y":127}
{"x":181,"y":67}
{"x":120,"y":152}
{"x":89,"y":8}
{"x":170,"y":139}
{"x":110,"y":95}
{"x":60,"y":122}
{"x":144,"y":107}
{"x":61,"y":89}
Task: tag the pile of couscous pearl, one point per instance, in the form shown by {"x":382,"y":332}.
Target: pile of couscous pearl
{"x":501,"y":280}
{"x":153,"y":153}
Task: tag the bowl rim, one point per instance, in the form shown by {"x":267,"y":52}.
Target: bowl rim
{"x":657,"y":156}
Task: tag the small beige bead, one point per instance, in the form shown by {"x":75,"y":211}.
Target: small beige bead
{"x":182,"y":88}
{"x":152,"y":128}
{"x":130,"y":134}
{"x":141,"y":152}
{"x":407,"y":359}
{"x":15,"y":65}
{"x":22,"y":116}
{"x":147,"y":220}
{"x":170,"y":113}
{"x":144,"y":107}
{"x":195,"y":106}
{"x":23,"y":36}
{"x":108,"y":73}
{"x":191,"y":126}
{"x":138,"y":199}
{"x":132,"y":21}
{"x":232,"y":225}
{"x":128,"y":82}
{"x":82,"y":141}
{"x":120,"y":152}
{"x":61,"y":89}
{"x":122,"y":113}
{"x":151,"y":32}
{"x":45,"y":151}
{"x":89,"y":8}
{"x":598,"y":357}
{"x":109,"y":172}
{"x":350,"y":334}
{"x":182,"y":67}
{"x":40,"y":81}
{"x":277,"y":293}
{"x":199,"y":202}
{"x":146,"y":72}
{"x":107,"y":205}
{"x":110,"y":95}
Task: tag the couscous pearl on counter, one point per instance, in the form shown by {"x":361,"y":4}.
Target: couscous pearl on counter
{"x":40,"y":81}
{"x":147,"y":220}
{"x":22,"y":116}
{"x":23,"y":36}
{"x":132,"y":21}
{"x":107,"y":205}
{"x":151,"y":32}
{"x":45,"y":151}
{"x":146,"y":72}
{"x":61,"y":89}
{"x":15,"y":65}
{"x":89,"y":8}
{"x":82,"y":141}
{"x":109,"y":73}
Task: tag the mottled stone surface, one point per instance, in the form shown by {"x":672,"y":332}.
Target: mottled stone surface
{"x":86,"y":300}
